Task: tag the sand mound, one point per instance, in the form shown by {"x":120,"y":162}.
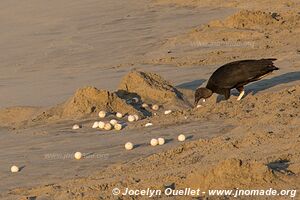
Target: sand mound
{"x":85,"y":102}
{"x":150,"y":87}
{"x":247,"y":34}
{"x":88,"y":100}
{"x":232,"y":173}
{"x":248,"y":20}
{"x":257,"y":20}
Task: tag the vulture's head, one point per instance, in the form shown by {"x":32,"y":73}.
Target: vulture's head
{"x":202,"y":93}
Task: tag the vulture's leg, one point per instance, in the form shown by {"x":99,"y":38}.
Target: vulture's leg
{"x":227,"y":94}
{"x":242,"y":92}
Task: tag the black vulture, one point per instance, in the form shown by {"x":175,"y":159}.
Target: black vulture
{"x":235,"y":75}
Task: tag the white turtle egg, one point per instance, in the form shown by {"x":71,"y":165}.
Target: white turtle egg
{"x":168,"y":112}
{"x":102,"y":114}
{"x":78,"y":155}
{"x":131,"y":118}
{"x":148,"y":124}
{"x":76,"y":126}
{"x":199,"y":106}
{"x":14,"y":169}
{"x":161,"y":141}
{"x":203,"y":100}
{"x":113,"y":122}
{"x":154,"y":142}
{"x":101,"y":125}
{"x":136,"y":117}
{"x":95,"y":125}
{"x":144,"y":105}
{"x":119,"y":115}
{"x":118,"y":127}
{"x":128,"y":146}
{"x":107,"y":126}
{"x":155,"y":107}
{"x":181,"y":138}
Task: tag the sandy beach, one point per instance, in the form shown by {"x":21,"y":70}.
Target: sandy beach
{"x":64,"y":61}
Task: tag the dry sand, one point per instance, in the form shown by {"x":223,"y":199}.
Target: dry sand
{"x":159,"y":54}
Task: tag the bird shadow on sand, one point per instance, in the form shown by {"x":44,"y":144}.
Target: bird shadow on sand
{"x":274,"y":81}
{"x":192,"y":85}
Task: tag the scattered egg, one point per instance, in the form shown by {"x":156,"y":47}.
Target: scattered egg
{"x":161,"y":141}
{"x":136,"y":117}
{"x":131,"y":118}
{"x":102,"y":114}
{"x":144,"y":105}
{"x":78,"y":155}
{"x":107,"y":126}
{"x":203,"y":100}
{"x":118,"y":126}
{"x":181,"y":137}
{"x":168,"y":112}
{"x":128,"y":146}
{"x":154,"y":142}
{"x":119,"y":115}
{"x":76,"y":126}
{"x":155,"y":107}
{"x":113,"y":122}
{"x":148,"y":124}
{"x":95,"y":125}
{"x":199,"y":106}
{"x":101,"y":125}
{"x":14,"y":169}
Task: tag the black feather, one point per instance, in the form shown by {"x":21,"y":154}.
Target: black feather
{"x":239,"y":73}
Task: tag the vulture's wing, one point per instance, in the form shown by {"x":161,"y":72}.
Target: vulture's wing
{"x":241,"y":72}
